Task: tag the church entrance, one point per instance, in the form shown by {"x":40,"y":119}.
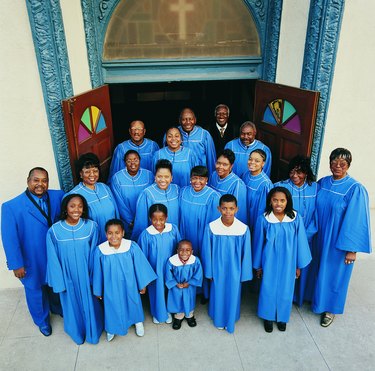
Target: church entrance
{"x":158,"y":105}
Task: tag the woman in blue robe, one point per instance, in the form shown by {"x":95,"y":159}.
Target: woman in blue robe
{"x":303,"y":188}
{"x":280,"y":250}
{"x":344,"y":230}
{"x":158,"y":242}
{"x":102,"y":205}
{"x":120,"y":272}
{"x":163,"y":192}
{"x":224,"y":181}
{"x":183,"y":159}
{"x":70,"y":247}
{"x":258,"y":185}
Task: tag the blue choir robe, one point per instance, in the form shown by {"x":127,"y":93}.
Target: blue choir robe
{"x":126,"y":190}
{"x":23,"y":232}
{"x":279,"y":248}
{"x":154,"y":195}
{"x":344,"y":225}
{"x":235,"y":186}
{"x":201,"y":143}
{"x":118,"y":276}
{"x":226,"y":259}
{"x":243,"y":152}
{"x":304,"y":202}
{"x":182,"y":161}
{"x":146,"y":150}
{"x":257,"y":187}
{"x":70,"y":251}
{"x":101,"y":203}
{"x":182,"y":300}
{"x":158,"y":248}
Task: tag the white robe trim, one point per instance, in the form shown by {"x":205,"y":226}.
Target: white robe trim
{"x":175,"y":260}
{"x":152,"y":230}
{"x":106,"y":249}
{"x":236,"y":229}
{"x":271,"y":218}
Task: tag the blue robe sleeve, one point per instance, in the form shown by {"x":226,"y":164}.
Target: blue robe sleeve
{"x":97,"y":281}
{"x":240,"y":194}
{"x":125,"y":212}
{"x":93,"y":246}
{"x":117,"y":162}
{"x":113,"y":200}
{"x":170,"y":279}
{"x":259,"y":240}
{"x":206,"y":252}
{"x":303,"y":248}
{"x":246,"y":267}
{"x":197,"y":276}
{"x":54,"y":275}
{"x":211,"y":153}
{"x":143,"y":271}
{"x":355,"y":229}
{"x":143,"y":243}
{"x":141,"y":216}
{"x":268,"y":164}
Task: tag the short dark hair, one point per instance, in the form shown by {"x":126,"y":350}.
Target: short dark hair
{"x":163,"y":164}
{"x":186,"y":109}
{"x":157,"y":207}
{"x":37,"y":168}
{"x":64,"y":206}
{"x":199,"y":170}
{"x":229,"y":155}
{"x":303,"y":164}
{"x":341,"y":153}
{"x":227,"y":198}
{"x":87,"y":160}
{"x":260,"y":152}
{"x":114,"y":222}
{"x":289,"y":201}
{"x":131,"y":152}
{"x":184,"y":241}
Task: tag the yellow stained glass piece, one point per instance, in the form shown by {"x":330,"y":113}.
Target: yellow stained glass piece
{"x":95,"y":112}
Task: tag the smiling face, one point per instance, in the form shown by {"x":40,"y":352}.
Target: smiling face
{"x":247,"y":135}
{"x":137,"y":132}
{"x":278,"y":203}
{"x":184,"y":251}
{"x":227,"y":210}
{"x":74,"y":210}
{"x":37,"y":183}
{"x":223,"y":167}
{"x":89,"y":176}
{"x":132,"y":163}
{"x":173,"y":139}
{"x":339,"y":168}
{"x":158,"y":220}
{"x":163,"y":178}
{"x":198,"y":182}
{"x":114,"y":235}
{"x":255,"y":163}
{"x":188,"y":120}
{"x":222,"y":116}
{"x":297,"y":176}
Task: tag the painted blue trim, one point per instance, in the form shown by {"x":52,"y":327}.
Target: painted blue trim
{"x":51,"y":53}
{"x":323,"y":31}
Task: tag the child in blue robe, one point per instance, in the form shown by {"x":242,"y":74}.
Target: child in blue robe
{"x":258,"y":185}
{"x":161,"y":192}
{"x":224,"y":181}
{"x":121,"y":273}
{"x":70,"y":246}
{"x":158,"y":242}
{"x":226,"y":259}
{"x":280,"y":250}
{"x":183,"y":273}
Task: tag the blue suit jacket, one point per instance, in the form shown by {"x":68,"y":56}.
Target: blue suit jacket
{"x":23,"y":231}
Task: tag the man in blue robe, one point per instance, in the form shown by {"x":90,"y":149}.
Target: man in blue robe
{"x":24,"y":224}
{"x":244,"y":145}
{"x":226,"y":260}
{"x":137,"y":142}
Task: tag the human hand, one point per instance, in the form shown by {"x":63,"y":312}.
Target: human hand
{"x":185,"y":285}
{"x":20,"y":272}
{"x":350,"y":257}
{"x":298,"y":273}
{"x":180,"y":285}
{"x":143,"y":291}
{"x":99,"y":297}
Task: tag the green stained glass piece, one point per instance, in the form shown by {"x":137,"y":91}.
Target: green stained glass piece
{"x":86,"y":119}
{"x":289,"y":110}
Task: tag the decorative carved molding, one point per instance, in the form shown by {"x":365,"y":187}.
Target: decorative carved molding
{"x":51,"y":53}
{"x":322,"y":39}
{"x":103,"y":7}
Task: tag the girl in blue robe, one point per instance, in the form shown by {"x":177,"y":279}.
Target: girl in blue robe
{"x":70,"y":246}
{"x":102,"y":205}
{"x":344,"y":230}
{"x":224,"y":181}
{"x":226,"y":259}
{"x":183,"y":159}
{"x":280,"y":250}
{"x":183,"y":273}
{"x":162,"y":192}
{"x":158,"y":242}
{"x":304,"y":189}
{"x":258,"y":185}
{"x":121,"y":273}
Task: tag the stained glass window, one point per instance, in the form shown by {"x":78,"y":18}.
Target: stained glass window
{"x":92,"y":121}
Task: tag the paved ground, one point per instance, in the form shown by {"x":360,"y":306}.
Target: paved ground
{"x":348,"y":344}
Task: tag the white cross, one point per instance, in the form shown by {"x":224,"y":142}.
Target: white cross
{"x":182,"y":8}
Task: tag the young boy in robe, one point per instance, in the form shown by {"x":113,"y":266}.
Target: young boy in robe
{"x":183,"y":274}
{"x":121,"y":273}
{"x":226,"y":259}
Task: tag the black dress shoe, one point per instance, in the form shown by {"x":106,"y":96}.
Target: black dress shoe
{"x":176,"y":325}
{"x":191,"y":322}
{"x":281,"y":326}
{"x":46,"y":330}
{"x":268,"y":326}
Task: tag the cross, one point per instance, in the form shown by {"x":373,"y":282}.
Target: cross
{"x":182,"y":8}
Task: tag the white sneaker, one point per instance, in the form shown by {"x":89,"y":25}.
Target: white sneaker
{"x":139,"y":329}
{"x":169,"y":319}
{"x":110,"y":337}
{"x":155,"y":321}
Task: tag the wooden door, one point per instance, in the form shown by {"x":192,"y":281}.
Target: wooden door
{"x":285,"y":119}
{"x":88,"y":125}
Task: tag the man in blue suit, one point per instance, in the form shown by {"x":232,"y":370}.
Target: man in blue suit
{"x":25,"y":221}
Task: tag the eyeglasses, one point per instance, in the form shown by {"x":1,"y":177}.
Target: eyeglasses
{"x":341,"y":163}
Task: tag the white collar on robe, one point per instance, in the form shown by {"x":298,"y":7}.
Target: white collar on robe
{"x":271,"y":218}
{"x":236,"y":229}
{"x":106,"y":249}
{"x":175,"y":260}
{"x":152,"y":230}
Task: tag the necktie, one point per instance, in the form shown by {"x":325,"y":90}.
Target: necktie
{"x":41,"y":204}
{"x":222,"y":132}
